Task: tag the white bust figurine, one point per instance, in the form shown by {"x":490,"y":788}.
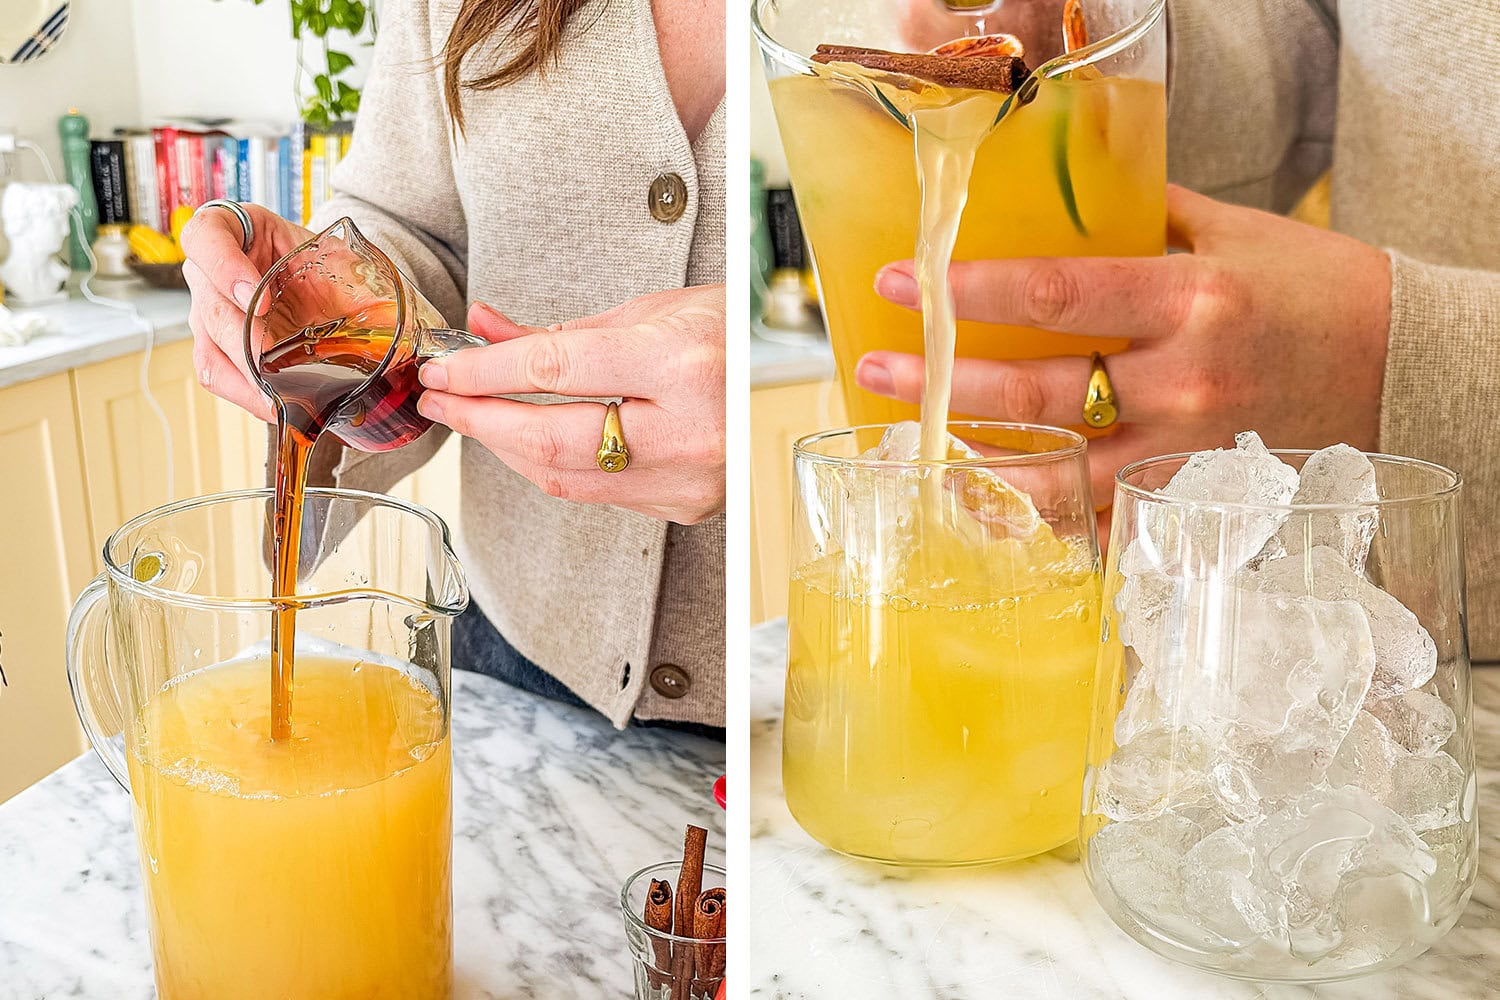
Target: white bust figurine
{"x":36,"y":223}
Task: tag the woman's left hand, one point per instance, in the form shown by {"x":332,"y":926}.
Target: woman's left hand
{"x":1267,"y":324}
{"x":662,"y":353}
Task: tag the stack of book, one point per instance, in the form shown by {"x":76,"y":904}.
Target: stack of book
{"x":142,"y":175}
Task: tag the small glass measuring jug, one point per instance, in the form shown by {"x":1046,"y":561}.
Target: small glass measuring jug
{"x":309,"y":867}
{"x":340,"y":298}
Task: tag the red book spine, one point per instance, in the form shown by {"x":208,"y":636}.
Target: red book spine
{"x":198,"y":183}
{"x":166,"y":174}
{"x":216,"y":181}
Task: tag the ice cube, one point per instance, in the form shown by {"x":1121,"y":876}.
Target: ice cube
{"x":1140,"y":863}
{"x":1367,"y":758}
{"x":1380,"y":915}
{"x":899,"y":443}
{"x":1321,"y":843}
{"x":1405,"y":656}
{"x":1453,"y":847}
{"x":1218,"y":539}
{"x":1158,"y":769}
{"x":1417,"y":720}
{"x":1336,"y":475}
{"x":1252,"y":773}
{"x":1426,"y":790}
{"x":1219,"y":888}
{"x":1296,"y":666}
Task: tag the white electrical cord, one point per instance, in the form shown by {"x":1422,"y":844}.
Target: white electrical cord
{"x":142,"y":323}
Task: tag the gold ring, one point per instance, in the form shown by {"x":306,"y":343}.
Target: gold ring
{"x":613,"y":456}
{"x":1099,"y":406}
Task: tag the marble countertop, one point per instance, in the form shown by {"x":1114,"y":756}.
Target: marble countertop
{"x":86,"y":332}
{"x":549,"y":803}
{"x":825,"y":925}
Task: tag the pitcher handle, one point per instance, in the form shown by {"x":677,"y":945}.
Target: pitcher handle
{"x":96,"y":695}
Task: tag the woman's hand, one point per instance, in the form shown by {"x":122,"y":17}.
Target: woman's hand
{"x":663,"y":353}
{"x":1268,"y":324}
{"x":222,"y":279}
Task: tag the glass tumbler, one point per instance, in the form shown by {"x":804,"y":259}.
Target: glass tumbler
{"x":1281,"y":774}
{"x":669,"y":966}
{"x":943,"y":627}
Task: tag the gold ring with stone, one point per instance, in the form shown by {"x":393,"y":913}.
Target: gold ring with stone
{"x":613,"y":456}
{"x":1100,"y":408}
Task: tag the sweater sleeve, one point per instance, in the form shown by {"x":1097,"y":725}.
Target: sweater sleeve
{"x":408,"y":205}
{"x":1251,"y":99}
{"x":1440,"y":402}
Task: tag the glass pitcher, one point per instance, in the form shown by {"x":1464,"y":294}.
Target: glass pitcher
{"x":338,"y":296}
{"x":1281,"y":768}
{"x":941,"y":648}
{"x":309,"y":867}
{"x":1076,"y":169}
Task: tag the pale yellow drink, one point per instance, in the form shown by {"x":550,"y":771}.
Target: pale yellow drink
{"x":311,"y":868}
{"x":941,"y":721}
{"x":854,"y":177}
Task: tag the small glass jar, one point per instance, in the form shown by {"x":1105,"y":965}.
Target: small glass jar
{"x":110,"y":251}
{"x":1281,"y":779}
{"x":668,"y":966}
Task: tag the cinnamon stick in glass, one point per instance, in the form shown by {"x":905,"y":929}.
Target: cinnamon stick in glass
{"x":689,"y":885}
{"x":658,"y":917}
{"x":708,"y":959}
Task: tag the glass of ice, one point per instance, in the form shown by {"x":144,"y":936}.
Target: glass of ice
{"x":1281,"y":768}
{"x":943,"y":625}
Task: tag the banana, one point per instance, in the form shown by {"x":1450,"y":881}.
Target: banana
{"x":180,"y":216}
{"x":152,"y":247}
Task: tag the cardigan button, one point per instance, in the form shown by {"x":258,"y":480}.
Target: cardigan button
{"x":670,"y":681}
{"x":667,"y":198}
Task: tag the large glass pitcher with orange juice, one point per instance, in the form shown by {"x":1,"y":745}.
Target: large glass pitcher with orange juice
{"x":1073,"y":164}
{"x":310,"y":866}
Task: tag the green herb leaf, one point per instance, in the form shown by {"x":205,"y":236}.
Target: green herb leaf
{"x":325,"y":87}
{"x":338,"y":62}
{"x":348,"y":98}
{"x":1060,"y":168}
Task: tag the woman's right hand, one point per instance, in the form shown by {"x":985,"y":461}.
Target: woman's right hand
{"x":222,"y":278}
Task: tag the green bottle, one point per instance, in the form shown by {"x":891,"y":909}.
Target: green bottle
{"x":73,"y":129}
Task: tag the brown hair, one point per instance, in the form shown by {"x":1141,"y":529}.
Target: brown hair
{"x":538,"y":24}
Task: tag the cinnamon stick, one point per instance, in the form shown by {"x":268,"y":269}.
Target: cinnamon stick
{"x":1002,"y":74}
{"x":709,"y":959}
{"x":689,"y":885}
{"x":658,"y":917}
{"x":1075,"y":28}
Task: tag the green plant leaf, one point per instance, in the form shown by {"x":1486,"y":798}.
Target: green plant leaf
{"x":1064,"y":174}
{"x":354,"y":21}
{"x":348,"y":101}
{"x":317,"y":23}
{"x":338,"y":62}
{"x":325,"y":87}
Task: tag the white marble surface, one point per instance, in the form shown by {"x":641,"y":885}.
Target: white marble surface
{"x":824,"y":925}
{"x":774,"y":363}
{"x":87,"y":332}
{"x":553,"y":809}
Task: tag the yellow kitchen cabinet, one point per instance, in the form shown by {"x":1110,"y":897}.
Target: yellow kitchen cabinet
{"x":779,"y":415}
{"x":215,"y":445}
{"x":47,"y":556}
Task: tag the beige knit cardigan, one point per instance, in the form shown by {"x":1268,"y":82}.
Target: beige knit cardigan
{"x":541,"y":210}
{"x":1401,"y":99}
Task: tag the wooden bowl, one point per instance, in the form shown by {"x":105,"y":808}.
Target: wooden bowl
{"x":157,"y":275}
